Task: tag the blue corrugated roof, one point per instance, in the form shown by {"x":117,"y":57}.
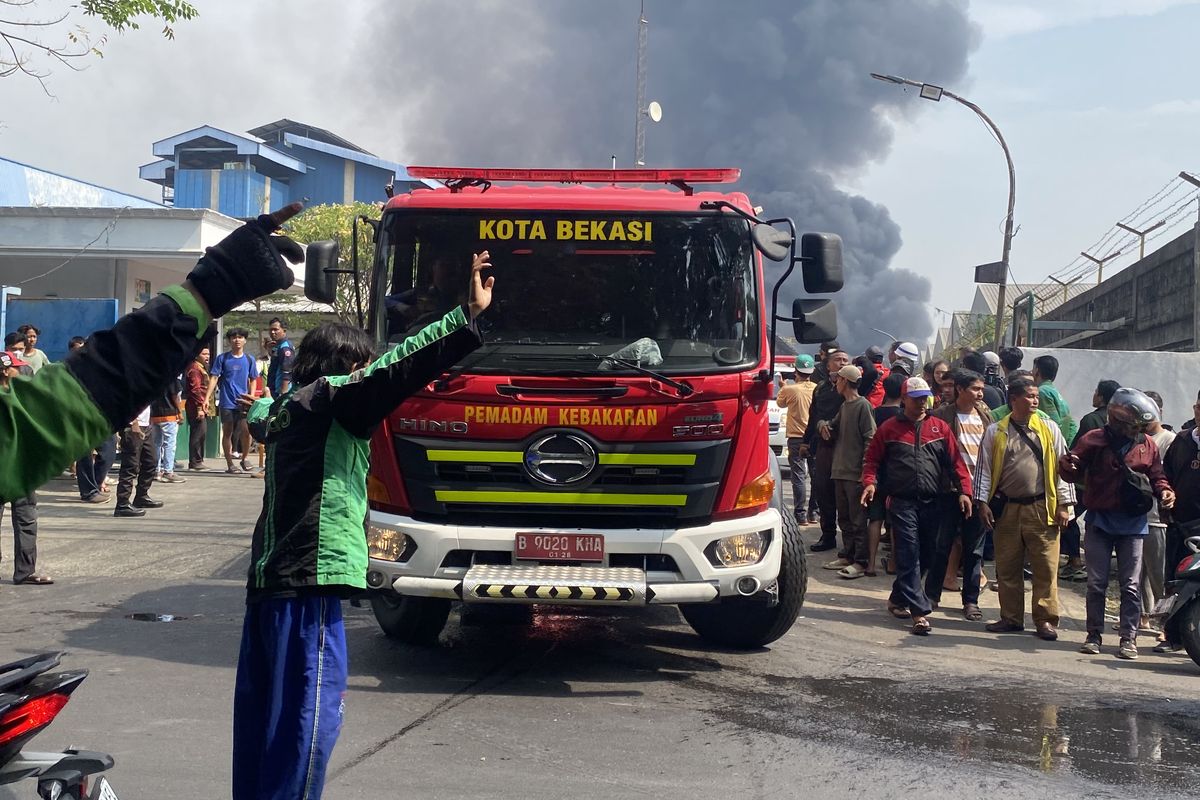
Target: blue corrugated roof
{"x":26,"y":185}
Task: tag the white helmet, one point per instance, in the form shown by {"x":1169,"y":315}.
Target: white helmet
{"x":1143,"y":410}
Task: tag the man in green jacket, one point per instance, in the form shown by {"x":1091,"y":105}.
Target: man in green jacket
{"x":1050,"y":402}
{"x":310,"y":546}
{"x":69,"y":407}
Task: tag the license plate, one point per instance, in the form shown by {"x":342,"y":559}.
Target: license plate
{"x":103,"y":791}
{"x":559,"y":547}
{"x":1163,"y":607}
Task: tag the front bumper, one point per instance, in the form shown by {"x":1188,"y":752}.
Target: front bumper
{"x":693,"y":580}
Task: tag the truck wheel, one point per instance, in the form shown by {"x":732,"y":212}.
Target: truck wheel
{"x":745,"y":624}
{"x":1189,"y":630}
{"x":411,"y":620}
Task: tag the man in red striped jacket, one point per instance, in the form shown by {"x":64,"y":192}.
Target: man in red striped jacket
{"x":917,"y":454}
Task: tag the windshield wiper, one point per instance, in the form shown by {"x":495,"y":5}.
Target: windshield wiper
{"x":683,"y":389}
{"x":540,"y":343}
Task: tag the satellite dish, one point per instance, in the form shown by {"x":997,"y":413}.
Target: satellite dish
{"x":654,"y":111}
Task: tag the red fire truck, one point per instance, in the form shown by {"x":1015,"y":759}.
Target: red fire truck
{"x":608,"y":443}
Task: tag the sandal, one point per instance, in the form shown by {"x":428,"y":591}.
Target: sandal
{"x":851,"y":572}
{"x":1073,"y":574}
{"x":870,"y":573}
{"x":922,"y":627}
{"x":898,"y":612}
{"x":972,"y":612}
{"x":35,"y":580}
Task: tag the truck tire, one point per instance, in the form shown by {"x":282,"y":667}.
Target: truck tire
{"x":411,"y":620}
{"x":1189,"y":630}
{"x":746,"y":624}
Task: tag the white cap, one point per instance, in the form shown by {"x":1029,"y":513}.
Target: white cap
{"x":908,"y":350}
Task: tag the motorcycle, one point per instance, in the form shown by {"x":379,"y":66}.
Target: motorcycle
{"x":31,"y":696}
{"x":1180,"y":613}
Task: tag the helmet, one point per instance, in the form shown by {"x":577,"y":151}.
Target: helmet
{"x":1141,"y":408}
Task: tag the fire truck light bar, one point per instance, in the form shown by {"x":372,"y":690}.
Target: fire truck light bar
{"x":579,"y":175}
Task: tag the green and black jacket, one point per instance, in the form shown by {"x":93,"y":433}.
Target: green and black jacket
{"x":311,"y":534}
{"x":52,"y":418}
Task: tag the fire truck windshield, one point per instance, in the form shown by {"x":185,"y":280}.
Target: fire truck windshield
{"x":673,"y":292}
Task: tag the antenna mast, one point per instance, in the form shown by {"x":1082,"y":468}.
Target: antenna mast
{"x":639,"y":131}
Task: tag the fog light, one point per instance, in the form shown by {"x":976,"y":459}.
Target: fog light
{"x":374,"y":579}
{"x":741,"y":550}
{"x":385,"y":544}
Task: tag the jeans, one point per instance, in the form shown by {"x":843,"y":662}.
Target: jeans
{"x":167,"y":433}
{"x":799,"y":469}
{"x":853,"y":518}
{"x":822,"y":486}
{"x":90,"y":471}
{"x":1022,"y":531}
{"x":1071,"y":538}
{"x":24,"y":523}
{"x":811,"y":463}
{"x":953,"y":526}
{"x":1098,"y":548}
{"x":915,"y":526}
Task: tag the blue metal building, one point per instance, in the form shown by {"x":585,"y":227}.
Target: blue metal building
{"x":243,"y":175}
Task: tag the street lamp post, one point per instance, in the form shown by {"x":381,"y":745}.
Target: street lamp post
{"x":931,"y":92}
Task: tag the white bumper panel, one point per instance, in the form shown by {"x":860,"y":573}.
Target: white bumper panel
{"x":697,"y":579}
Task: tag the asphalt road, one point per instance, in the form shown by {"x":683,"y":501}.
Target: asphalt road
{"x":593,"y":703}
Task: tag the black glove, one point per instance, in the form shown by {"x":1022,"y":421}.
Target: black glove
{"x":246,"y":264}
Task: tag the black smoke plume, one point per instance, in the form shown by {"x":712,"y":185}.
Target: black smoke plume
{"x":777,"y":87}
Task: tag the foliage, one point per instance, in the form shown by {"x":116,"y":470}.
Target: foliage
{"x":337,"y":222}
{"x":29,"y":33}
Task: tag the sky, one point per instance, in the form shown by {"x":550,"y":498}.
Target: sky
{"x":1096,"y":101}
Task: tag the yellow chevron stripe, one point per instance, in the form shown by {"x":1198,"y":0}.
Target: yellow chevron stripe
{"x":561,"y":498}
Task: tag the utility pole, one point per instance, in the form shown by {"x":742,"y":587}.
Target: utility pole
{"x":929,"y":91}
{"x":1099,"y":262}
{"x":639,"y":131}
{"x":1141,"y":235}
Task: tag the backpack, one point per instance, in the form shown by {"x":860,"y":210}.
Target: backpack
{"x":1136,"y":494}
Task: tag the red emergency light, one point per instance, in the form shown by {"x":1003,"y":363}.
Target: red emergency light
{"x":723,"y":175}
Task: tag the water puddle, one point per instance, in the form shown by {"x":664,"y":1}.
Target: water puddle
{"x":145,"y":616}
{"x":1149,"y":743}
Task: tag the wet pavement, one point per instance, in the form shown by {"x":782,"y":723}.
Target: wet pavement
{"x":594,"y":702}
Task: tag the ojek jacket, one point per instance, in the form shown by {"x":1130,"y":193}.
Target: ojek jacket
{"x":69,"y":407}
{"x":915,"y":457}
{"x":1102,"y":473}
{"x":311,"y":534}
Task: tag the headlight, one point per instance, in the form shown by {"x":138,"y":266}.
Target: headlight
{"x":741,"y":550}
{"x":386,"y":544}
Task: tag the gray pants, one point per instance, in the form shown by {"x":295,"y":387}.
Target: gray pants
{"x":798,"y":465}
{"x":1154,"y":566}
{"x":1098,"y":548}
{"x":24,"y":522}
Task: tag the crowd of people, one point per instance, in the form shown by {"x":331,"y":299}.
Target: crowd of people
{"x":949,"y":466}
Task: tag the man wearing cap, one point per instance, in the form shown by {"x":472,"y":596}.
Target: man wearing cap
{"x":1020,"y":494}
{"x":825,"y":404}
{"x":851,"y":430}
{"x":978,"y":362}
{"x":24,"y":509}
{"x":796,"y":398}
{"x":918,"y":454}
{"x":874,"y":355}
{"x":906,"y":358}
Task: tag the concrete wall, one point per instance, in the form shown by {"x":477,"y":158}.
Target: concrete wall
{"x":1157,"y":297}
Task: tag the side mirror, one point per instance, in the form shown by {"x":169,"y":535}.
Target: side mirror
{"x":821,"y":255}
{"x":320,"y":282}
{"x":771,"y":242}
{"x":815,"y":321}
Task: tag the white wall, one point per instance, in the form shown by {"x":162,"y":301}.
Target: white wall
{"x":1175,"y":376}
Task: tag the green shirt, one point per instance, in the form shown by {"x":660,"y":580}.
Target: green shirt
{"x":1054,"y":406}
